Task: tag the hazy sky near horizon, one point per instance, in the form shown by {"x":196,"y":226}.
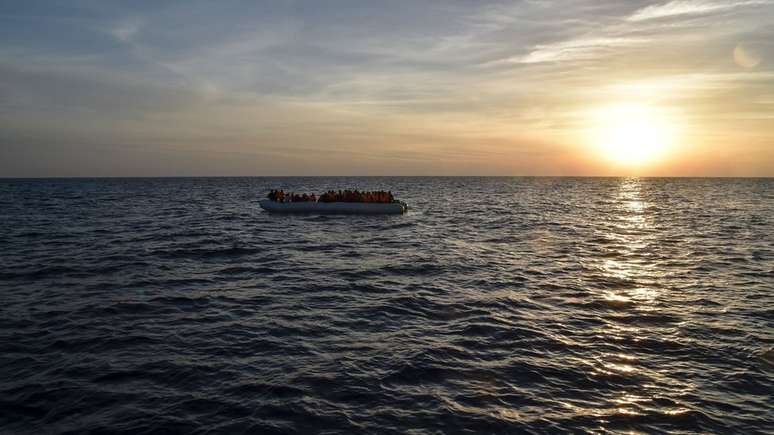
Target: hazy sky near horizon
{"x":147,"y":88}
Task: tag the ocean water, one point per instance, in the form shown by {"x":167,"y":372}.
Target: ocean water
{"x":496,"y":305}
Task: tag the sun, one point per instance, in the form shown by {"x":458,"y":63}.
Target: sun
{"x":630,"y":134}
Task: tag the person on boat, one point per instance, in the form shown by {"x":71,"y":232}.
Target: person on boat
{"x":346,"y":195}
{"x":276,"y":195}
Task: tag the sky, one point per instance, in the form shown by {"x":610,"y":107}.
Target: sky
{"x":537,"y":87}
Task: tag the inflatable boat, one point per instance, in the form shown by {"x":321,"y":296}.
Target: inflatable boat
{"x":334,"y":207}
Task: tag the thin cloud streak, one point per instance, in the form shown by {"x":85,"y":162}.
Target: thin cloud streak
{"x":576,"y":49}
{"x":690,"y":7}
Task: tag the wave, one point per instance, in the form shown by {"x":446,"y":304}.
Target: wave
{"x":496,"y":305}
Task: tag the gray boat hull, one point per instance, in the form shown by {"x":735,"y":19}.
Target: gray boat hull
{"x":333,"y":207}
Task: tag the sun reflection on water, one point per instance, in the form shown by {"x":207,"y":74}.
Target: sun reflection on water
{"x":632,"y":229}
{"x":633,"y":287}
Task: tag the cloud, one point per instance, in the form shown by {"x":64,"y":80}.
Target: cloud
{"x":690,"y":7}
{"x":576,"y":49}
{"x":48,"y":88}
{"x":126,"y":30}
{"x":363,"y":83}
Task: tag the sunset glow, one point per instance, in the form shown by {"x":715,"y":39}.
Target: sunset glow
{"x":632,"y":134}
{"x":660,"y":88}
{"x":404,"y":216}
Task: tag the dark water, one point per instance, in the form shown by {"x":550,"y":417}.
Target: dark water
{"x":495,"y":305}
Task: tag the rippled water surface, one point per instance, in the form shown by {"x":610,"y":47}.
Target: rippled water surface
{"x":494,"y":305}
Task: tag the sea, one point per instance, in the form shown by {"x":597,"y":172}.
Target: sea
{"x":495,"y":305}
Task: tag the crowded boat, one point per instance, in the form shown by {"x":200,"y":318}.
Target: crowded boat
{"x":349,"y":201}
{"x":379,"y":197}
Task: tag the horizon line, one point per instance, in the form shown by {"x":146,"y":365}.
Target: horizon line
{"x":382,"y":176}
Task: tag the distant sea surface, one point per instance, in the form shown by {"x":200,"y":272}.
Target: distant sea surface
{"x":496,"y":305}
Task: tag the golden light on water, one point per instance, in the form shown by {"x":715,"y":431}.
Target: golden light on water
{"x":633,"y":227}
{"x":631,"y":134}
